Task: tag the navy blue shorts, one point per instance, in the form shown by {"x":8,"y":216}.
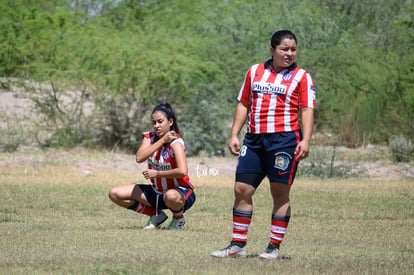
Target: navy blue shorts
{"x":271,"y":155}
{"x":151,"y":196}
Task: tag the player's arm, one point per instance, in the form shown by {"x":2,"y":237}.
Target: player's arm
{"x":303,"y":148}
{"x":180,"y":171}
{"x":182,"y":168}
{"x":240,"y":117}
{"x":147,"y":149}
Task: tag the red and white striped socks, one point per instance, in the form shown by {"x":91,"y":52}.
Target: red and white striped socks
{"x":278,"y":229}
{"x":241,"y":222}
{"x":142,"y":208}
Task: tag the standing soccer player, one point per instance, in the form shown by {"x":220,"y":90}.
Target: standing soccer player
{"x":272,"y":97}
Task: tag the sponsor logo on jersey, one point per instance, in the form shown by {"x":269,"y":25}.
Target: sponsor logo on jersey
{"x":269,"y":88}
{"x":159,"y":166}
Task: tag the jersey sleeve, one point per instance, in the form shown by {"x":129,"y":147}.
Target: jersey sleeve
{"x":150,"y":135}
{"x":244,"y":94}
{"x":179,"y":140}
{"x":307,"y":92}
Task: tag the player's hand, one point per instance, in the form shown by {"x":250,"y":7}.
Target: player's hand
{"x":169,"y":136}
{"x":302,"y":150}
{"x":234,"y":146}
{"x":149,"y":174}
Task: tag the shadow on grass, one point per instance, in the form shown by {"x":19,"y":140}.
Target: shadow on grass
{"x":281,"y":258}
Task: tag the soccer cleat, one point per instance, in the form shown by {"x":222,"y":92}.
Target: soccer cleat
{"x":156,"y":220}
{"x":176,"y":224}
{"x":271,"y":252}
{"x":232,"y":250}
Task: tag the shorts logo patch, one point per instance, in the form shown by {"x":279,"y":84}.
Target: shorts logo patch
{"x":282,"y":160}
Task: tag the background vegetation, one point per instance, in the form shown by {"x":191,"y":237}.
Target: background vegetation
{"x":95,"y":69}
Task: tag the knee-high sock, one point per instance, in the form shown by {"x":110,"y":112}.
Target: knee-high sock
{"x":178,"y":214}
{"x":241,"y":222}
{"x":142,"y":208}
{"x":278,"y":229}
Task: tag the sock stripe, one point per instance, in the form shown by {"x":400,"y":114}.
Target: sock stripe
{"x":241,"y":223}
{"x":242,"y":214}
{"x":178,"y":214}
{"x":142,"y":208}
{"x":278,"y":229}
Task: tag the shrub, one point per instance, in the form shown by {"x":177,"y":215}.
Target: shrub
{"x":324,"y":163}
{"x":401,"y":148}
{"x":11,"y":136}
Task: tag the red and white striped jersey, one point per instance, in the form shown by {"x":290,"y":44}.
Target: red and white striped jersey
{"x":274,"y":98}
{"x":164,"y":159}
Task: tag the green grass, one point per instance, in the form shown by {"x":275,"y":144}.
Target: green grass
{"x":55,"y":221}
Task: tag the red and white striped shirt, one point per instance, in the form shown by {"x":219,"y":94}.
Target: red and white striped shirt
{"x":274,"y":98}
{"x":164,"y":159}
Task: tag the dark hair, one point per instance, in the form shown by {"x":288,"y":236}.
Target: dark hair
{"x":278,"y":36}
{"x":169,"y":113}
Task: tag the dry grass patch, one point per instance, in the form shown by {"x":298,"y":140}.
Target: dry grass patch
{"x":55,"y":220}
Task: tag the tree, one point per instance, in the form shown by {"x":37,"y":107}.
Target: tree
{"x":115,"y":60}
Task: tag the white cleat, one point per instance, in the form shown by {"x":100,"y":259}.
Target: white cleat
{"x":230,"y":251}
{"x":176,"y":224}
{"x":270,"y":253}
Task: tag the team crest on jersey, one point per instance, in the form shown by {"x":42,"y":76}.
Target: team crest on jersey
{"x":287,"y":76}
{"x":166,"y":154}
{"x":282,"y":160}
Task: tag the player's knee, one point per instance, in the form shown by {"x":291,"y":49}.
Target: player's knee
{"x":112,"y":194}
{"x":243,"y":190}
{"x":171,"y":196}
{"x":173,"y":199}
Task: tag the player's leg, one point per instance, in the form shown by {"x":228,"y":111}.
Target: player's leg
{"x":139,"y":198}
{"x":178,"y":201}
{"x":281,"y":201}
{"x":242,"y":216}
{"x":249,"y":174}
{"x":282,"y":166}
{"x":244,"y":189}
{"x":126,"y":195}
{"x":174,"y":199}
{"x":279,"y":220}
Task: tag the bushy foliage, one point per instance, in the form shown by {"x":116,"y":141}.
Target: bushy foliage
{"x":323,"y":163}
{"x":402,"y":148}
{"x":11,"y":136}
{"x":124,"y":58}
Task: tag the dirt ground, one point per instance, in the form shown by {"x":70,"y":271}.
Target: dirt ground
{"x":13,"y":104}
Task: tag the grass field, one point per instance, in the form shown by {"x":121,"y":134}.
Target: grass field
{"x":54,"y":220}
